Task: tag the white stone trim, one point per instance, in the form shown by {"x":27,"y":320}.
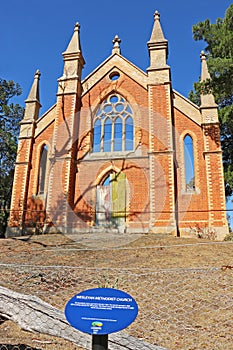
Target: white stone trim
{"x":187,"y":107}
{"x":112,"y":63}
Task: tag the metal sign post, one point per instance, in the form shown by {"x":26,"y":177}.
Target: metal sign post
{"x":99,"y":342}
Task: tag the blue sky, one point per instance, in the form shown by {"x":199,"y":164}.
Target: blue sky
{"x":35,"y":33}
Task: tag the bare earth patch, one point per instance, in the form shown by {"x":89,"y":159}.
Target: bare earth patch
{"x":184,"y":287}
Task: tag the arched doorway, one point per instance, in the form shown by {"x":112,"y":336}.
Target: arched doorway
{"x":111,"y":201}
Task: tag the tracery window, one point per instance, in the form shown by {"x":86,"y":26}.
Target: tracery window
{"x":113,"y":126}
{"x":189,"y":163}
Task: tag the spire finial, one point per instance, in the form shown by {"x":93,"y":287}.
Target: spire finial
{"x":157,"y":32}
{"x":73,"y":58}
{"x":77,"y":27}
{"x":37,"y":74}
{"x":204,"y":70}
{"x":116,"y":45}
{"x":34,"y":94}
{"x":207,"y":99}
{"x":202,"y":55}
{"x":33,"y":100}
{"x":157,"y":16}
{"x":74,"y":44}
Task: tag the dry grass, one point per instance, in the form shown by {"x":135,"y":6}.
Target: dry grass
{"x":190,"y":310}
{"x":148,"y":251}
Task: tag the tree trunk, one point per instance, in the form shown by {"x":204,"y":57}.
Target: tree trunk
{"x":34,"y":315}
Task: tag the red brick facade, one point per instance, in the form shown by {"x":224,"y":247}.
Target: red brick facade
{"x":149,"y":191}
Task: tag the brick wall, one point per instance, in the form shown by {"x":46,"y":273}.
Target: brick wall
{"x":155,"y":173}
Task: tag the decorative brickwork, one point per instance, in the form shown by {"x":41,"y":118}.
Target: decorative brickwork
{"x":150,"y":192}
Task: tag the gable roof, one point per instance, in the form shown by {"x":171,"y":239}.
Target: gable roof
{"x":117,"y":63}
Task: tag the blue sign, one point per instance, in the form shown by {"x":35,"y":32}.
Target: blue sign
{"x":101,"y":311}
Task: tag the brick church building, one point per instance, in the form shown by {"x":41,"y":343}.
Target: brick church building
{"x":120,"y":150}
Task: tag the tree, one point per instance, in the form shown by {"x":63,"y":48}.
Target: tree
{"x":10,"y":115}
{"x":219,"y":50}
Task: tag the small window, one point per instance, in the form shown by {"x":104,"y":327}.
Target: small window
{"x":114,"y":76}
{"x":189,"y":164}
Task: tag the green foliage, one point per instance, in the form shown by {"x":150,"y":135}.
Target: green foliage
{"x":10,"y":115}
{"x":229,"y":237}
{"x":219,"y":50}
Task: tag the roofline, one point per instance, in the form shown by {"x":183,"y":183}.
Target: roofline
{"x":106,"y":60}
{"x":186,"y":99}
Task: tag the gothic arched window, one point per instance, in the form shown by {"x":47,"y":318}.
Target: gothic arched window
{"x":113,"y":126}
{"x":42,"y":169}
{"x":189,"y":163}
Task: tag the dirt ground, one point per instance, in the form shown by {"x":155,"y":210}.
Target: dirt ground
{"x":168,"y":252}
{"x":192,"y":280}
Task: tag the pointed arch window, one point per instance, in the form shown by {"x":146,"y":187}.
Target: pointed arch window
{"x":113,"y":126}
{"x":189,"y":163}
{"x":42,"y":170}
